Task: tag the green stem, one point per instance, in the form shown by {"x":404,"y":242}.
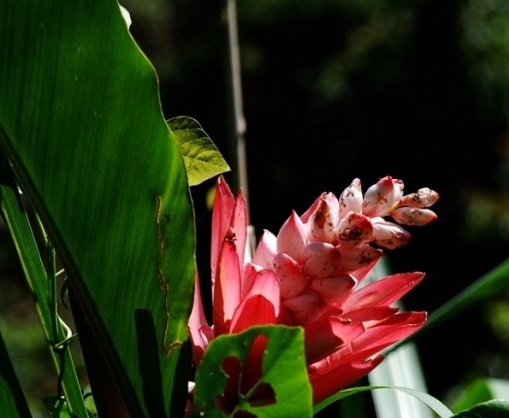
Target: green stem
{"x":42,"y":284}
{"x":52,"y":287}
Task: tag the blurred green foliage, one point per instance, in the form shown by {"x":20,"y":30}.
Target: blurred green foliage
{"x":485,"y":43}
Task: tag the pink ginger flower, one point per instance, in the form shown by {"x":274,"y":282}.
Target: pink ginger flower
{"x":311,"y":274}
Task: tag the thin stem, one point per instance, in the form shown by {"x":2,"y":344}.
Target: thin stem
{"x":52,"y":289}
{"x":42,"y":285}
{"x":236,"y":95}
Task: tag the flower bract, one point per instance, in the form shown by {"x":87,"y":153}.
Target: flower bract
{"x":312,"y":274}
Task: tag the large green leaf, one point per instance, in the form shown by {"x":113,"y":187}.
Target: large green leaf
{"x":80,"y":120}
{"x":283,"y":369}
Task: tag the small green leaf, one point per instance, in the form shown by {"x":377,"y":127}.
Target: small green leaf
{"x":434,"y":404}
{"x":201,"y":157}
{"x":284,"y":380}
{"x":490,"y":409}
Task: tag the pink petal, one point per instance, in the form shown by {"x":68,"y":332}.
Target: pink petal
{"x":226,"y":287}
{"x":368,"y":316}
{"x":239,"y":225}
{"x":323,"y":222}
{"x":306,"y":307}
{"x":292,"y":238}
{"x":333,"y":290}
{"x":249,"y":273}
{"x":355,"y":258}
{"x":324,"y":336}
{"x":383,"y":292}
{"x":200,"y":332}
{"x":354,"y":360}
{"x":266,"y":250}
{"x":354,"y":228}
{"x":362,"y":272}
{"x":413,"y":216}
{"x":224,"y":204}
{"x":292,"y":281}
{"x":307,"y":214}
{"x":255,"y":310}
{"x":351,"y":199}
{"x":321,"y":260}
{"x":261,"y":304}
{"x":424,"y":198}
{"x":229,"y":217}
{"x":328,"y":377}
{"x":389,"y":234}
{"x":384,"y":334}
{"x":379,"y":198}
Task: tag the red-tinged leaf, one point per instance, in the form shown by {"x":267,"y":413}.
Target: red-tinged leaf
{"x":282,"y":389}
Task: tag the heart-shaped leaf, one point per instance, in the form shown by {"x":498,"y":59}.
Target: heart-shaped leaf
{"x":201,"y":157}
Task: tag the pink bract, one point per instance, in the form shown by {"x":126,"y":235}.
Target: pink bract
{"x":311,"y":275}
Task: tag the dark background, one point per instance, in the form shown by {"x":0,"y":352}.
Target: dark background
{"x":338,"y":89}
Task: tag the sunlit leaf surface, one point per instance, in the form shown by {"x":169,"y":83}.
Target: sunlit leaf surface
{"x":81,"y":122}
{"x":283,"y":374}
{"x":202,"y":158}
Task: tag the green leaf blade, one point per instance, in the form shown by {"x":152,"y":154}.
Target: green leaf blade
{"x":81,"y":122}
{"x":283,"y":368}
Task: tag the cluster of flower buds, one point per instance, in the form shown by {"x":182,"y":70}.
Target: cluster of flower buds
{"x":330,"y":246}
{"x":310,"y":275}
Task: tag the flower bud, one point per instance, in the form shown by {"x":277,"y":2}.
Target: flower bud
{"x":389,"y":235}
{"x":351,"y":199}
{"x":380,"y":198}
{"x":424,"y":198}
{"x":413,"y":216}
